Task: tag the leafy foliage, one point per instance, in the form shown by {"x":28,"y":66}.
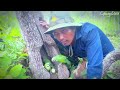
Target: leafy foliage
{"x":12,"y":48}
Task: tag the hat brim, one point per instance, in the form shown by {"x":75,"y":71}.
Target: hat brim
{"x":51,"y":29}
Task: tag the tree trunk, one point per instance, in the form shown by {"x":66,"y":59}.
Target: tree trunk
{"x":109,"y":60}
{"x":34,"y":43}
{"x":39,"y":45}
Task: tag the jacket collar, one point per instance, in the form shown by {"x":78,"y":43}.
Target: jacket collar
{"x":78,"y":33}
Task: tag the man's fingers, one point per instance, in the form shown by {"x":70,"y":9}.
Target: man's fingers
{"x":75,"y":72}
{"x":47,"y":26}
{"x":79,"y":69}
{"x":44,"y":24}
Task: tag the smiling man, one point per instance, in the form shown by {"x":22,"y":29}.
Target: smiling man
{"x":83,"y":40}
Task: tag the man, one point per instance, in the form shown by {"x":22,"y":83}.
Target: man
{"x":79,"y":40}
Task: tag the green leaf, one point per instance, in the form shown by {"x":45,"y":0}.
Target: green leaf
{"x":80,"y":60}
{"x":8,"y":77}
{"x":13,"y":56}
{"x":2,"y":46}
{"x":111,"y":75}
{"x":61,"y":59}
{"x":4,"y":61}
{"x":3,"y":53}
{"x":3,"y":72}
{"x":22,"y":74}
{"x":15,"y":71}
{"x":24,"y":54}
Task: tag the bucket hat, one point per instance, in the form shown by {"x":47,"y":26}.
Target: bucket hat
{"x":60,"y":19}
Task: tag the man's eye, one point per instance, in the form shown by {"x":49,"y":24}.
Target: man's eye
{"x":64,"y":31}
{"x":55,"y":34}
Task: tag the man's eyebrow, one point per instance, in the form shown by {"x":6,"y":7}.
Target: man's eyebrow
{"x":64,"y":28}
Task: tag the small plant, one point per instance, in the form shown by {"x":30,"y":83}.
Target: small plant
{"x":64,"y":60}
{"x":49,"y":66}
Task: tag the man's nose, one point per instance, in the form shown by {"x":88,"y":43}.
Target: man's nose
{"x":61,"y":37}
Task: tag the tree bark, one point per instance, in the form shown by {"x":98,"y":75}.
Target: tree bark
{"x":109,"y":60}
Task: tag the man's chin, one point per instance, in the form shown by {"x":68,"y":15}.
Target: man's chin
{"x":66,"y":44}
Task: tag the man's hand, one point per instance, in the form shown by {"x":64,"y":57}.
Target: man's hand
{"x":44,"y":24}
{"x":79,"y":69}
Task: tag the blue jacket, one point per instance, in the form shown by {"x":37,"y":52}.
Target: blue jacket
{"x":91,"y":43}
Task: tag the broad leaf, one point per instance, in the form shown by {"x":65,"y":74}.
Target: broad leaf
{"x":15,"y":71}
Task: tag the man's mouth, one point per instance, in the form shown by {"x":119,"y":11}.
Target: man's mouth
{"x":64,"y":42}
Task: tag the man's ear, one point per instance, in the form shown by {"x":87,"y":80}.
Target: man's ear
{"x":74,"y":30}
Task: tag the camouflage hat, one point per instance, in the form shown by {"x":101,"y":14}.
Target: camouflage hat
{"x":60,"y":19}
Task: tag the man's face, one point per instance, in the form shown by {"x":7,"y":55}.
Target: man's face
{"x":64,"y":35}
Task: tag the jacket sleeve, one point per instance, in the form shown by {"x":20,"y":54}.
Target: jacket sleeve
{"x":94,"y":54}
